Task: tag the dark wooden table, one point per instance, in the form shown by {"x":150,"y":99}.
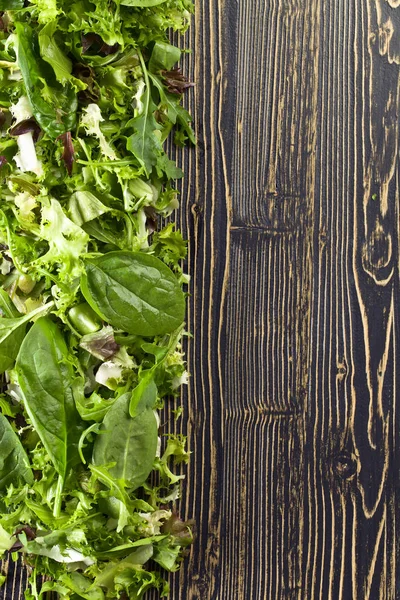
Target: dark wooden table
{"x":291,"y":204}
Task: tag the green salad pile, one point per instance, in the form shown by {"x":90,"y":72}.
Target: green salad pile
{"x":92,"y":297}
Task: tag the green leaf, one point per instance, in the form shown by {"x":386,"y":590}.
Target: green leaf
{"x":66,"y":242}
{"x":14,"y":463}
{"x":93,"y":408}
{"x":169,"y":245}
{"x":144,"y":144}
{"x":46,"y":10}
{"x":84,"y":207}
{"x":163,"y":57}
{"x":6,"y":541}
{"x":175,"y":111}
{"x":166,"y":554}
{"x":101,"y":232}
{"x":144,"y":395}
{"x":11,"y":4}
{"x":135,"y":292}
{"x":54,"y":109}
{"x":52,"y":54}
{"x":45,"y":376}
{"x":12,"y":330}
{"x":129,"y":443}
{"x":123,"y":570}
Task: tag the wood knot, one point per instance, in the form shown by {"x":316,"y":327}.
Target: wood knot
{"x":377,"y":254}
{"x":196,"y":210}
{"x":345,"y":465}
{"x":342,"y":369}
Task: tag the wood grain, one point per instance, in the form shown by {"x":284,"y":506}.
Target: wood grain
{"x":291,"y":207}
{"x":292,"y":408}
{"x":351,"y":505}
{"x":248,"y":208}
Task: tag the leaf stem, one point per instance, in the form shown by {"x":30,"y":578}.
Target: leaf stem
{"x":146,"y":81}
{"x":58,"y":498}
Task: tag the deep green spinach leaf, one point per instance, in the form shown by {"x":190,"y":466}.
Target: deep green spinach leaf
{"x":129,"y":443}
{"x":135,"y":292}
{"x":12,"y":329}
{"x":12,"y":332}
{"x":14,"y":463}
{"x":46,"y":378}
{"x":144,"y":395}
{"x":11,"y":4}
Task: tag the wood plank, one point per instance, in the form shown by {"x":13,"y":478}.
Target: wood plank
{"x":350,"y":544}
{"x":17,"y":579}
{"x":249,"y":258}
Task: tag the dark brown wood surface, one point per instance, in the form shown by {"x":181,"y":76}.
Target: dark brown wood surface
{"x":291,"y":205}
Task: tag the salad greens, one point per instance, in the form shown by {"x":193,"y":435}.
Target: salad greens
{"x":91,"y":293}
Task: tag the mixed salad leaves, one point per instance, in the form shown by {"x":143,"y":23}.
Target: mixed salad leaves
{"x":92,"y":298}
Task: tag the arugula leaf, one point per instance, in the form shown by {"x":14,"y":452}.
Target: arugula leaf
{"x":144,"y":143}
{"x":14,"y":463}
{"x":135,"y":292}
{"x":176,"y":113}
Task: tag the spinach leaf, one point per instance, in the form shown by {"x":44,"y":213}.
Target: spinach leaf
{"x":144,"y":395}
{"x":103,"y":232}
{"x":14,"y":463}
{"x":135,"y":292}
{"x":12,"y":329}
{"x":129,"y":443}
{"x":46,"y":377}
{"x":54,"y":107}
{"x":12,"y":332}
{"x":11,"y":4}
